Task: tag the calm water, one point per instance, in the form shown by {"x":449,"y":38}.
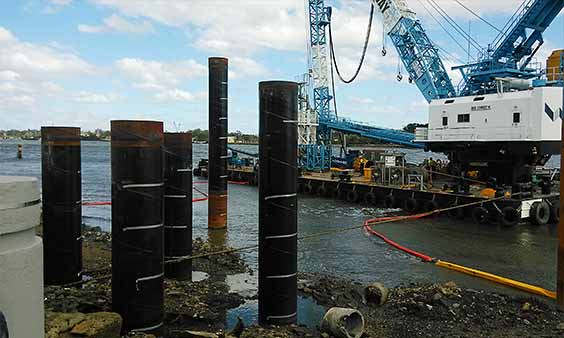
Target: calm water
{"x":526,"y":253}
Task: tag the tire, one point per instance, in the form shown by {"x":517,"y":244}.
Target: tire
{"x":410,"y":205}
{"x":539,"y":213}
{"x":308,"y":189}
{"x":334,"y":193}
{"x":431,"y":206}
{"x":300,"y":187}
{"x":370,"y":198}
{"x":254,"y":181}
{"x":390,"y":201}
{"x":480,"y":215}
{"x":321,"y":191}
{"x":341,"y":194}
{"x":555,"y":213}
{"x":510,"y":216}
{"x":352,"y":196}
{"x":457,"y":213}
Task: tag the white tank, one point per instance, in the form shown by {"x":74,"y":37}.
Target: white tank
{"x":21,"y":257}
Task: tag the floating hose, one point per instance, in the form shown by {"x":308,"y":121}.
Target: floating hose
{"x":451,"y":266}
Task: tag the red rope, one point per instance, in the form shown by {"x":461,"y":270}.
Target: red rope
{"x":368,"y":227}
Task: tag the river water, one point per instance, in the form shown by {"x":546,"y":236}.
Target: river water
{"x":526,"y":253}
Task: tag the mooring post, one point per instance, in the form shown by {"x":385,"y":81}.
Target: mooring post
{"x":20,"y":151}
{"x":560,"y":263}
{"x":137,"y":224}
{"x":178,"y":204}
{"x":217,"y":144}
{"x":278,"y":218}
{"x":62,"y":209}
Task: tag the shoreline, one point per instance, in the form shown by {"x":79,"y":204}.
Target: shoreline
{"x":410,"y":310}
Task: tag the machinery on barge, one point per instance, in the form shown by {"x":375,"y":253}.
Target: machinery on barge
{"x":502,"y":120}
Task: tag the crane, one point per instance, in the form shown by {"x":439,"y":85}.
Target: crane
{"x":503,"y":118}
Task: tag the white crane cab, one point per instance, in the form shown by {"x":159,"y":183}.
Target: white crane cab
{"x":512,"y":128}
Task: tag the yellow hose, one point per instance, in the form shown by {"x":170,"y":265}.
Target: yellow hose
{"x":498,"y":279}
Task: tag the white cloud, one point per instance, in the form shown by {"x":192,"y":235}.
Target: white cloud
{"x":162,"y":78}
{"x":8,"y":75}
{"x":88,"y":97}
{"x":116,"y":23}
{"x":60,"y":2}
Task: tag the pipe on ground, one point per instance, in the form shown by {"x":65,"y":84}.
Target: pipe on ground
{"x":343,"y":323}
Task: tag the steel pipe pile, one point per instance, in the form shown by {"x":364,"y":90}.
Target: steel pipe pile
{"x":178,"y":204}
{"x":278,"y":175}
{"x":62,"y":210}
{"x":137,"y":224}
{"x":217,"y":144}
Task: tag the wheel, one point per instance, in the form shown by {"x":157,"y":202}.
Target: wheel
{"x":431,"y":206}
{"x":370,"y":198}
{"x":390,"y":201}
{"x":410,"y":205}
{"x":352,"y":196}
{"x":308,"y":189}
{"x":510,"y":216}
{"x":539,"y":213}
{"x":480,"y":215}
{"x":457,"y":213}
{"x":554,"y":213}
{"x":321,"y":191}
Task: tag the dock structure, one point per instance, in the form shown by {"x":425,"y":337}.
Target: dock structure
{"x":415,"y":198}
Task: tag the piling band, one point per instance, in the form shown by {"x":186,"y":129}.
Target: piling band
{"x":178,"y":204}
{"x":451,"y":266}
{"x":277,"y":289}
{"x":137,"y":224}
{"x":62,"y":195}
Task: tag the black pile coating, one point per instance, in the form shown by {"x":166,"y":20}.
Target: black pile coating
{"x":62,"y":210}
{"x":278,"y":176}
{"x":137,"y":201}
{"x":178,"y":204}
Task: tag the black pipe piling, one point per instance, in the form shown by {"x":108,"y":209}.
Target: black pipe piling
{"x":217,"y":144}
{"x":278,"y":176}
{"x":178,"y":204}
{"x":137,"y":224}
{"x":62,"y":209}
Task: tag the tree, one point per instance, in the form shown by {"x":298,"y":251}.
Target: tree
{"x":410,"y":128}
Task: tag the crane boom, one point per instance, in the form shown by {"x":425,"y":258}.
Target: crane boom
{"x":418,"y":54}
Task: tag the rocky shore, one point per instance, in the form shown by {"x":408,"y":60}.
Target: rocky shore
{"x":199,"y":308}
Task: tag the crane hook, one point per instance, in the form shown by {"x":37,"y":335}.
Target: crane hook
{"x":400,"y":77}
{"x":384,"y":51}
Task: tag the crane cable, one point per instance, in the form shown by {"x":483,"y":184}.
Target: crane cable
{"x":478,"y":16}
{"x":454,"y":25}
{"x":366,"y":40}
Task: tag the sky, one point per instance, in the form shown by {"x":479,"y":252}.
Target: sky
{"x":85,"y":62}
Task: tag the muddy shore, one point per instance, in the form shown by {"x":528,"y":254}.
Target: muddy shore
{"x":412,"y":310}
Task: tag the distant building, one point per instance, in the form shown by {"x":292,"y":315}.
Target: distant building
{"x":231,"y":139}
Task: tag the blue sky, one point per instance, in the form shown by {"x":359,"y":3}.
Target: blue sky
{"x":85,"y":62}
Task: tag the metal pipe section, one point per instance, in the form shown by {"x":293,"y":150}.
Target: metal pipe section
{"x":178,"y":204}
{"x":62,"y":210}
{"x":560,"y":263}
{"x":278,"y":176}
{"x":137,"y":224}
{"x":217,"y":144}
